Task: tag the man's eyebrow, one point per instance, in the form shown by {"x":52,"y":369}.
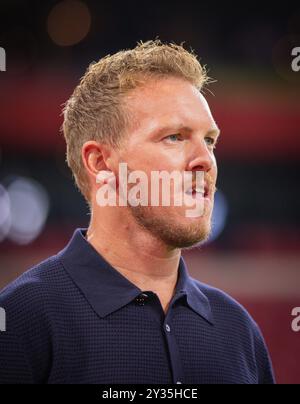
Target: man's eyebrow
{"x":173,"y":128}
{"x":213,"y":132}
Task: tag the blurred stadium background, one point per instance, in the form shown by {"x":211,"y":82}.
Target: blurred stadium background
{"x":254,"y":252}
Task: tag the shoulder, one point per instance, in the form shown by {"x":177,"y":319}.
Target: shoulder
{"x":31,"y":297}
{"x":30,"y":303}
{"x":231,"y":317}
{"x":34,"y":279}
{"x":233,"y":321}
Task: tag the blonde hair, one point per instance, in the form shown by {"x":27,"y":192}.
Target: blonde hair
{"x":95,"y":110}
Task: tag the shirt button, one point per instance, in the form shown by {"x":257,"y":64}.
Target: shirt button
{"x":141,"y":299}
{"x":168,"y":329}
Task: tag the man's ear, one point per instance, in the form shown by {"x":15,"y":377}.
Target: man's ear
{"x":96,"y":157}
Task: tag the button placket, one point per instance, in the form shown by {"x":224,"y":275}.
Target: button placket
{"x":176,"y":364}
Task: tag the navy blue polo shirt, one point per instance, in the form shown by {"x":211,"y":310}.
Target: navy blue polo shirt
{"x":75,"y":319}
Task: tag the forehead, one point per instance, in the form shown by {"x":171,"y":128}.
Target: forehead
{"x":169,"y":101}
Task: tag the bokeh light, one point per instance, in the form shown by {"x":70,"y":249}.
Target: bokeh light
{"x":29,"y":207}
{"x":69,"y":22}
{"x":5,"y":215}
{"x":219,"y":216}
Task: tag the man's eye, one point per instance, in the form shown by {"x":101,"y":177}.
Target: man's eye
{"x":210,"y":141}
{"x":173,"y":138}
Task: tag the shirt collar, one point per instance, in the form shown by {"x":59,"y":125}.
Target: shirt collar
{"x":196,"y":299}
{"x":107,"y":290}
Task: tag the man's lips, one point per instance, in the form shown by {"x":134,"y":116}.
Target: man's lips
{"x":194,"y":190}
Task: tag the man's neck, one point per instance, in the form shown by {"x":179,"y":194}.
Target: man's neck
{"x":138,"y":256}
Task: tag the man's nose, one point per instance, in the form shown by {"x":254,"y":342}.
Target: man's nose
{"x":202,"y":158}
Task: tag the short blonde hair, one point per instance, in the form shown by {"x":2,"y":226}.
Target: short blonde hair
{"x":95,"y":110}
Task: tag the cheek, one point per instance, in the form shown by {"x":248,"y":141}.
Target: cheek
{"x":169,"y":159}
{"x":150,"y":158}
{"x":214,"y":170}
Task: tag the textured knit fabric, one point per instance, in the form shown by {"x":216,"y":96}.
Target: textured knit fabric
{"x":75,"y":319}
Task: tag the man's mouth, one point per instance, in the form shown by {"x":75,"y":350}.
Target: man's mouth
{"x":195,"y":192}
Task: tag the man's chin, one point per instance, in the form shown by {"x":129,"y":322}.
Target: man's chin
{"x":188,"y":240}
{"x":187,"y":234}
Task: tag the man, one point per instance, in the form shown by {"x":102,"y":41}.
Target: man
{"x":117,"y":304}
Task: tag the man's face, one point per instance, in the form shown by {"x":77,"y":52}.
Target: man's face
{"x":175,"y":131}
